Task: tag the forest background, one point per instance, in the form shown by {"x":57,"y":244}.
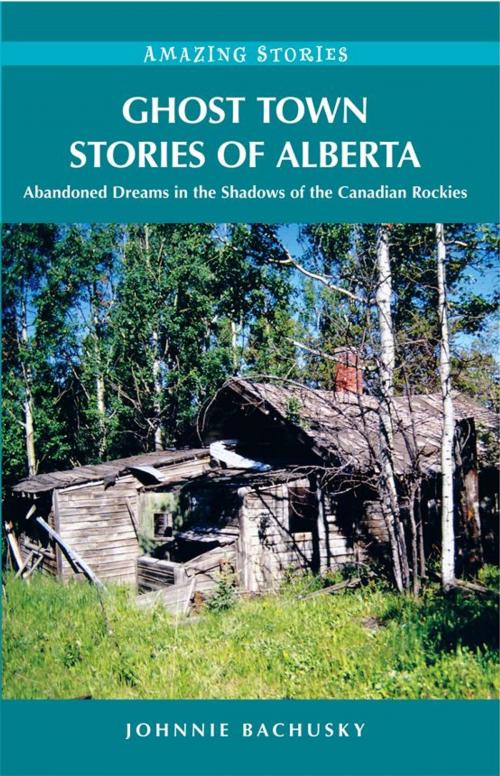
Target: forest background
{"x":115,"y":335}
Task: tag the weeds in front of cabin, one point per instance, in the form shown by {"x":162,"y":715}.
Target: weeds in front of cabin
{"x":224,"y":596}
{"x":364,"y":643}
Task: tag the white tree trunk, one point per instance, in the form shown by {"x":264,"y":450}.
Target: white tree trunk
{"x":234,"y":346}
{"x":383,"y":299}
{"x":389,"y":496}
{"x":100,"y":390}
{"x":101,"y":411}
{"x":157,"y":392}
{"x":29,"y":429}
{"x":447,"y":440}
{"x":30,"y":432}
{"x":157,"y":386}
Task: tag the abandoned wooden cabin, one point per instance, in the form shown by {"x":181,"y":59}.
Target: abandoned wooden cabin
{"x":96,"y":510}
{"x":287,"y":480}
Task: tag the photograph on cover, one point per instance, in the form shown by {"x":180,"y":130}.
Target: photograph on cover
{"x":250,"y":461}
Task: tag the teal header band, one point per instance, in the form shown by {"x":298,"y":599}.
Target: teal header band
{"x":399,"y":738}
{"x":206,"y":53}
{"x":256,"y":21}
{"x":448,"y":113}
{"x":426,"y":73}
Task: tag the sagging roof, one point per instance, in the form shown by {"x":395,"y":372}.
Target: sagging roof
{"x":105,"y":471}
{"x":345,"y":424}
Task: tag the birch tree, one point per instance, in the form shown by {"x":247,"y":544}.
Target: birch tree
{"x":448,"y":433}
{"x":26,"y":257}
{"x":25,"y":347}
{"x":87,"y":265}
{"x":390,"y":503}
{"x":155,"y":346}
{"x":371,"y":284}
{"x":32,"y":340}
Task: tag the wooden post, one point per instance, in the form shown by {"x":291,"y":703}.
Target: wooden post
{"x":247,"y":580}
{"x":57,"y":526}
{"x":132,"y":518}
{"x":33,"y":568}
{"x":26,"y":563}
{"x":190,"y":592}
{"x":468,"y":491}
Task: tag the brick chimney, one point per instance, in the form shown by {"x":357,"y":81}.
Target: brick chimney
{"x":349,"y":371}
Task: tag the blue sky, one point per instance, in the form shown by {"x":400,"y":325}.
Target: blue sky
{"x":485,"y":282}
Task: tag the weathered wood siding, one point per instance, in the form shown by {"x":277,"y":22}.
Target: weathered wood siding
{"x":374,"y":526}
{"x":267,"y":548}
{"x":154,"y":573}
{"x":96,"y":522}
{"x":339,"y":546}
{"x":207,"y":568}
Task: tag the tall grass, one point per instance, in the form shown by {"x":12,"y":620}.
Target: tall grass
{"x":367,"y":643}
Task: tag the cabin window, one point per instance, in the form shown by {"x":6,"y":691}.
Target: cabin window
{"x":163,"y":524}
{"x":302,"y":510}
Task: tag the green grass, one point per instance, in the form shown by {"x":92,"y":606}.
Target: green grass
{"x":366,"y":643}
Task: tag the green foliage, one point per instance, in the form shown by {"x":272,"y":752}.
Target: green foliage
{"x":476,"y":373}
{"x":224,"y":596}
{"x":293,"y":410}
{"x":346,"y":255}
{"x":120,"y":334}
{"x":364,"y":643}
{"x":490,"y":577}
{"x":31,"y":341}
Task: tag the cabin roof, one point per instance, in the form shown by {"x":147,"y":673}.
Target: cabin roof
{"x":345,"y":425}
{"x":102,"y":471}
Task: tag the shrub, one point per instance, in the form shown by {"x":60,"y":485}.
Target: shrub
{"x":224,"y":596}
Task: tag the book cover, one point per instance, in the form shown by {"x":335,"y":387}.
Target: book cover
{"x":250,"y":388}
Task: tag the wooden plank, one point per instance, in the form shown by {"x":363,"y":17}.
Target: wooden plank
{"x":108,"y":569}
{"x":25,"y":563}
{"x":103,"y":535}
{"x":97,"y":529}
{"x":48,"y":552}
{"x":102,"y":544}
{"x":106,"y":544}
{"x":95,"y":509}
{"x":133,"y":519}
{"x":101,"y":538}
{"x":14,"y":546}
{"x":189,"y":595}
{"x":72,"y":556}
{"x":95,"y":513}
{"x":97,"y":557}
{"x":347,"y":584}
{"x":34,"y":567}
{"x":175,"y":599}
